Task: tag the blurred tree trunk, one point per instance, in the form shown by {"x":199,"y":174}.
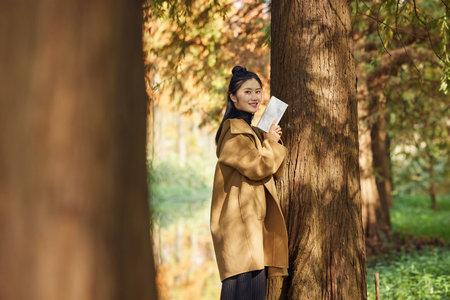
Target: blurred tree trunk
{"x":375,"y":211}
{"x":181,"y":140}
{"x":313,"y":71}
{"x":73,"y":210}
{"x":376,"y":191}
{"x":380,"y":150}
{"x":432,"y":180}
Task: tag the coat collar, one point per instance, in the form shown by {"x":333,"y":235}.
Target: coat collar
{"x":236,"y":126}
{"x":240,"y":126}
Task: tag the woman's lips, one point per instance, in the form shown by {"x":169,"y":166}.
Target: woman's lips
{"x":253,"y":104}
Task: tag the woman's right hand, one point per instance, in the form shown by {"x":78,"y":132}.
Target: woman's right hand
{"x":274,"y":133}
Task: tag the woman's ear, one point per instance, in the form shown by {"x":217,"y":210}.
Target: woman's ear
{"x":233,"y":98}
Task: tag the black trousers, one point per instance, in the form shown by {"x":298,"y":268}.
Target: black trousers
{"x":246,"y":286}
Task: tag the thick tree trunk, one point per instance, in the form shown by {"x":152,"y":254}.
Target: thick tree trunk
{"x":73,"y":210}
{"x":313,"y":71}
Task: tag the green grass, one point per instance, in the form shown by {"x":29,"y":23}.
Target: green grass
{"x":421,"y":274}
{"x":412,"y":214}
{"x":418,"y":274}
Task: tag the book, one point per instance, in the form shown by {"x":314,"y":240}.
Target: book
{"x":274,"y":110}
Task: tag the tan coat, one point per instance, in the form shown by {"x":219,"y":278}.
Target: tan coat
{"x":247,"y":224}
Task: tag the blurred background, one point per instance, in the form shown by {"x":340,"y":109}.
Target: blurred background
{"x":402,"y":59}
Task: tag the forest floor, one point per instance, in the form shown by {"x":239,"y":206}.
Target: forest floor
{"x":416,"y":261}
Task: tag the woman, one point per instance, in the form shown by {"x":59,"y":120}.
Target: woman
{"x":247,"y":225}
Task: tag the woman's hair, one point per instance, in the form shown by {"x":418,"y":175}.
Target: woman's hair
{"x":240,"y":75}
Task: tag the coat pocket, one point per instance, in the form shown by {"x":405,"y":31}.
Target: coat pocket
{"x":260,"y":201}
{"x":252,"y":201}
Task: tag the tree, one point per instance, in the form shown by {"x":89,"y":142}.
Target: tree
{"x":375,"y":208}
{"x":391,"y":38}
{"x":74,"y":211}
{"x":401,"y":48}
{"x":422,"y":134}
{"x":313,"y":71}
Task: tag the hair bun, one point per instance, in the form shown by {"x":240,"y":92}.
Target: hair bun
{"x":238,"y":69}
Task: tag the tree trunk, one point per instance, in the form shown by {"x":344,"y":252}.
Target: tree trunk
{"x":73,"y":210}
{"x":181,"y":140}
{"x":373,"y":152}
{"x":432,"y":189}
{"x":381,"y":159}
{"x":313,"y":71}
{"x":375,"y":212}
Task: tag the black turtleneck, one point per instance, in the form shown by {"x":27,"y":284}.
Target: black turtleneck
{"x":247,"y":117}
{"x":240,"y":114}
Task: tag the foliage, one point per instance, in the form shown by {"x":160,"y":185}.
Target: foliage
{"x":412,"y":214}
{"x":418,"y":275}
{"x":423,"y":24}
{"x":190,"y":60}
{"x":402,"y":52}
{"x":175,"y":10}
{"x":419,"y":128}
{"x":409,"y":177}
{"x":177,"y":191}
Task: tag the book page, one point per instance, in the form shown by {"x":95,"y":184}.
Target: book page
{"x":274,"y":110}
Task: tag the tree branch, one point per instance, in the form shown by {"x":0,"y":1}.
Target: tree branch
{"x":428,"y":33}
{"x":446,"y":5}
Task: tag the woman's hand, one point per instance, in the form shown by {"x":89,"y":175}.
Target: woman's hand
{"x":274,"y":133}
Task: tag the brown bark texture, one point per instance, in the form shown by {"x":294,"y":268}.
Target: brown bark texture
{"x":312,"y":69}
{"x":74,"y":214}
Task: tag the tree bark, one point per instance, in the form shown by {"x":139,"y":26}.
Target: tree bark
{"x":313,"y":71}
{"x":73,"y":210}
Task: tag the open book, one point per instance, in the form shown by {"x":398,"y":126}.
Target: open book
{"x":274,"y":110}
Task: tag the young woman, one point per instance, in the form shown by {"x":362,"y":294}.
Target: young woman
{"x":247,"y":225}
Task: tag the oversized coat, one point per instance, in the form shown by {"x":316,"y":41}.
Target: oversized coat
{"x":247,"y":223}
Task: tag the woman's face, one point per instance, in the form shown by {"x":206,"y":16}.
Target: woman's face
{"x":248,"y":96}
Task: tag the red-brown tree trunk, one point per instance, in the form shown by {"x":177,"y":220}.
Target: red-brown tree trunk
{"x":312,"y":70}
{"x":73,"y":211}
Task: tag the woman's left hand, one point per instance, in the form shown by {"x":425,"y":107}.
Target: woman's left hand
{"x":274,"y":132}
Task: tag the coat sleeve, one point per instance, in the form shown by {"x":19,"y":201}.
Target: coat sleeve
{"x":280,"y":170}
{"x":240,"y":153}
